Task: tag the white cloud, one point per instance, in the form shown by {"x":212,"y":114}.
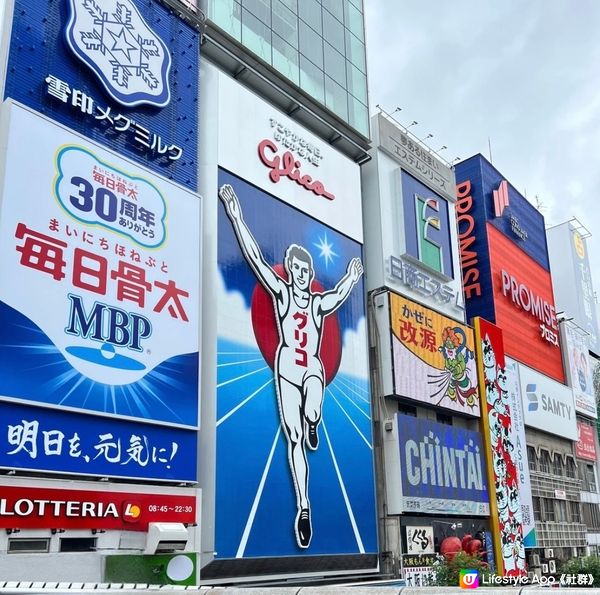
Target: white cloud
{"x":354,"y":351}
{"x":234,"y":322}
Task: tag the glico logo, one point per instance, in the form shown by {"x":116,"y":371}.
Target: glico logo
{"x":433,"y":233}
{"x":132,"y":512}
{"x":288,"y":166}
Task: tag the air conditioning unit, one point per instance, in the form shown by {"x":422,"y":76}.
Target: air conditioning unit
{"x":166,"y":537}
{"x":544,"y":568}
{"x":549,"y":553}
{"x":552,"y":566}
{"x":535,"y":560}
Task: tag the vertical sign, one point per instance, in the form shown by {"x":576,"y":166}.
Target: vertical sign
{"x":520,"y":452}
{"x":507,"y":522}
{"x":99,"y":311}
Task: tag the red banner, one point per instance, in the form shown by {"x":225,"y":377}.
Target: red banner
{"x":40,"y":508}
{"x":586,"y":445}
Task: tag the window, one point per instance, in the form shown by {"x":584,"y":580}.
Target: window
{"x":591,"y":515}
{"x":545,"y":462}
{"x":28,"y":545}
{"x":333,"y":31}
{"x":78,"y":544}
{"x":311,"y":45}
{"x":354,"y":21}
{"x":532,"y":458}
{"x":557,"y":467}
{"x":310,"y":13}
{"x":335,"y":7}
{"x":548,"y":510}
{"x":537,"y":508}
{"x":561,"y":511}
{"x":336,"y":98}
{"x":357,"y":82}
{"x":335,"y":65}
{"x":285,"y":59}
{"x":590,"y":478}
{"x":571,"y":469}
{"x":407,"y":409}
{"x":260,"y":9}
{"x":359,"y":115}
{"x":575,"y":512}
{"x":285,"y":23}
{"x":256,"y":36}
{"x":228,"y":15}
{"x":442,"y":418}
{"x":312,"y":79}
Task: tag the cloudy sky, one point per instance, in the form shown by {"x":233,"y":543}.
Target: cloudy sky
{"x":524,"y":74}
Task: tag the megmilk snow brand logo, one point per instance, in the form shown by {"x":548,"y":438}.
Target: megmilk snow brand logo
{"x":115,"y":42}
{"x":468,"y":579}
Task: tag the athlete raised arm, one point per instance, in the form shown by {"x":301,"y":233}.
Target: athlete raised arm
{"x":263,"y":271}
{"x":330,"y":301}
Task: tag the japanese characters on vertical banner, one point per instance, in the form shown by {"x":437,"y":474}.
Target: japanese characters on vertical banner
{"x":293,"y":404}
{"x":499,"y":436}
{"x":103,"y":68}
{"x":434,"y":359}
{"x":101,"y":309}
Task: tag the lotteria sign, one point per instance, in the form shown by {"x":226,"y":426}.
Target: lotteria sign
{"x":45,"y":508}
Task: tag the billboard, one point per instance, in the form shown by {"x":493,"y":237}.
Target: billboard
{"x":61,"y":441}
{"x":442,"y":470}
{"x":519,"y":441}
{"x":500,"y":450}
{"x":112,"y":249}
{"x":49,"y":508}
{"x":548,"y":405}
{"x":427,"y":226}
{"x":524,"y":307}
{"x":433,"y":357}
{"x":575,"y":292}
{"x":585,"y":447}
{"x":294,"y":445}
{"x":114,"y":71}
{"x":579,"y":368}
{"x":501,"y":205}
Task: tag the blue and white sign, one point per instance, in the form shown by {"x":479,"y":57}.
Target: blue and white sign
{"x":100,"y":308}
{"x":114,"y":40}
{"x":442,"y":468}
{"x":52,"y":440}
{"x":122,"y":72}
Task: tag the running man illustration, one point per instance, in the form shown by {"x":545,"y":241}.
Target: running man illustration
{"x":298,"y":370}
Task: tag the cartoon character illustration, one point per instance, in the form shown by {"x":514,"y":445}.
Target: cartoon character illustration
{"x":297,"y":369}
{"x":489,"y":361}
{"x":455,"y":382}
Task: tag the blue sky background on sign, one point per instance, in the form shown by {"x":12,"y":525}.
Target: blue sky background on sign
{"x":256,"y":503}
{"x":410,"y":188}
{"x":170,"y":463}
{"x":411,"y":428}
{"x":31,"y":366}
{"x":38,"y":49}
{"x":528,"y":217}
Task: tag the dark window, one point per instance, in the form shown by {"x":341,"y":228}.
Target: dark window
{"x":532,"y":458}
{"x":537,"y":508}
{"x":571,"y":470}
{"x":28,"y":545}
{"x":545,"y":462}
{"x":548,"y":513}
{"x":557,"y":467}
{"x":442,"y":418}
{"x":78,"y":544}
{"x":561,"y":511}
{"x":590,"y":478}
{"x":407,"y":409}
{"x":575,"y":512}
{"x":591,"y":515}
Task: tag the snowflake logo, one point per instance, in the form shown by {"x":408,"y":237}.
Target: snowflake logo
{"x":114,"y":40}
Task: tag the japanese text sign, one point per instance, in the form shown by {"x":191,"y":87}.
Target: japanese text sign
{"x":434,"y":359}
{"x":113,"y":250}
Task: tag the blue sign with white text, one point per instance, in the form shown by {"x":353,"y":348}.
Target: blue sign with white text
{"x":442,"y":468}
{"x":40,"y":439}
{"x":122,"y":72}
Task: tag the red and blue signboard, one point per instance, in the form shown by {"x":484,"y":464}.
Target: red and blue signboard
{"x":121,"y":72}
